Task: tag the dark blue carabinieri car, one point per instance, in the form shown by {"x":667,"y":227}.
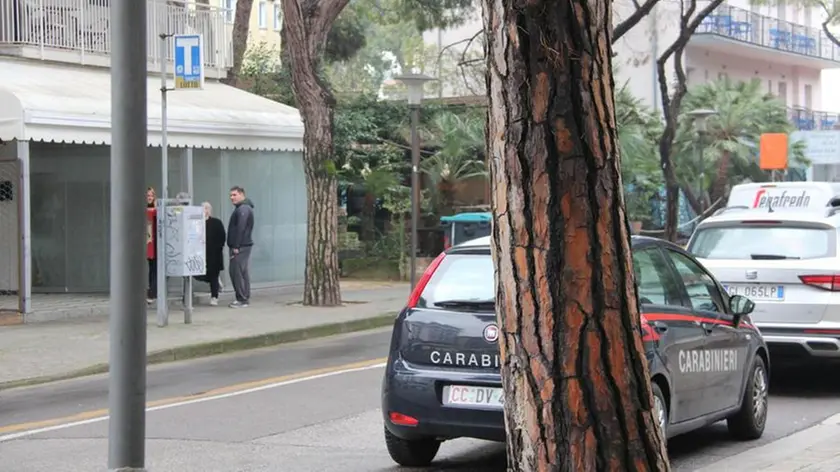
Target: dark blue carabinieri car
{"x":707,"y":361}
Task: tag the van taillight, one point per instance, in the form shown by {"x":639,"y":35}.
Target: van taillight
{"x":823,"y":281}
{"x":424,"y":280}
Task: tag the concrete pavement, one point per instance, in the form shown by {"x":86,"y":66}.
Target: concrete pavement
{"x":815,"y":449}
{"x":51,"y":350}
{"x":315,"y":406}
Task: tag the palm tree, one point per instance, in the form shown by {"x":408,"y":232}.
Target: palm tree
{"x":744,"y":113}
{"x":458,"y":140}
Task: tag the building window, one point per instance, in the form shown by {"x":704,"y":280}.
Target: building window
{"x":722,"y":76}
{"x":278,"y":15}
{"x":263,"y":12}
{"x":783,"y":92}
{"x":230,"y":10}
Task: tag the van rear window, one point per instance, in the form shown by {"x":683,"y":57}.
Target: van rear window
{"x":763,"y":242}
{"x":460,"y":277}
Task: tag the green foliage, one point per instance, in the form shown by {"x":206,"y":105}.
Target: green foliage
{"x":745,"y":112}
{"x":347,"y":35}
{"x":423,"y":14}
{"x":366,"y":136}
{"x":261,"y":74}
{"x":457,"y":143}
{"x":638,"y":132}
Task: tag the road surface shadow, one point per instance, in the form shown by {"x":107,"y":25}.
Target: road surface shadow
{"x":805,"y":380}
{"x":485,"y":457}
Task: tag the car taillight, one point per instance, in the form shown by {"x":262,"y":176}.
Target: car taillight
{"x":424,"y":280}
{"x":403,"y":420}
{"x":824,"y":281}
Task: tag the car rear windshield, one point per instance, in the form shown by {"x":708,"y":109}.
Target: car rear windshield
{"x":763,"y":242}
{"x":462,"y":277}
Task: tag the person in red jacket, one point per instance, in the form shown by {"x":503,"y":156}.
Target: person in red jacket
{"x":151,"y":246}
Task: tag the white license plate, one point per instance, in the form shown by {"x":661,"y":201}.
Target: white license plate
{"x":758,"y":291}
{"x":473,"y":396}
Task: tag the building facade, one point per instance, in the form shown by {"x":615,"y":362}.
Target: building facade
{"x":266,"y":21}
{"x":783,"y":46}
{"x":55,"y":131}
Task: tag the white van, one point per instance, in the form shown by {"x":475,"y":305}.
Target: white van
{"x":777,"y":244}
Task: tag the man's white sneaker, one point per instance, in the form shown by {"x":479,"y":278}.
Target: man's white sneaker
{"x":214,"y":301}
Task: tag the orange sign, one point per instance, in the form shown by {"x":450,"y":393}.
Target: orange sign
{"x":773,"y":151}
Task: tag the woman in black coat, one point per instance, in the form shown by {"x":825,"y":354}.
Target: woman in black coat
{"x":215,"y":236}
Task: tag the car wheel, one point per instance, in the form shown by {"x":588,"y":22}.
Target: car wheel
{"x":660,"y":409}
{"x":750,"y":420}
{"x":411,"y":453}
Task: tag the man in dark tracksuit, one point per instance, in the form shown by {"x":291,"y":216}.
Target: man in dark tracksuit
{"x":240,"y":243}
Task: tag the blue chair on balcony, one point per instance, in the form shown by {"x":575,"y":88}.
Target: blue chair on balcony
{"x":780,"y":39}
{"x":827,"y":123}
{"x":723,"y":24}
{"x":805,"y":124}
{"x":812,"y":46}
{"x":707,"y":25}
{"x":740,"y":30}
{"x":719,"y":24}
{"x":803,"y":43}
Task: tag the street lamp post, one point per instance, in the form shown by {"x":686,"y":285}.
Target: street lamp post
{"x":700,"y":116}
{"x":414,"y":83}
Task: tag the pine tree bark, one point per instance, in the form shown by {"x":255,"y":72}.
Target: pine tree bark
{"x":306,"y":24}
{"x":577,"y":389}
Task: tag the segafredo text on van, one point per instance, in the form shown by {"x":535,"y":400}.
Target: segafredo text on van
{"x":783,"y":195}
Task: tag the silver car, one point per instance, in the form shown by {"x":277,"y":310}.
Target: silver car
{"x":783,"y":258}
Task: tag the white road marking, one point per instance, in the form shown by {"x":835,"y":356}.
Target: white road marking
{"x":32,"y":432}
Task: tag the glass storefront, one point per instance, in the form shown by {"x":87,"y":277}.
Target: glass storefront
{"x":70,"y":195}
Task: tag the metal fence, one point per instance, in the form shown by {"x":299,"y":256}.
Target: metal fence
{"x":83,"y":27}
{"x":11,"y":295}
{"x":808,"y":120}
{"x":751,"y":27}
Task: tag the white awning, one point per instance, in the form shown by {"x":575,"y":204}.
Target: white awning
{"x":40,"y":101}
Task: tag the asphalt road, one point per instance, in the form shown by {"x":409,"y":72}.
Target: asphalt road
{"x":297,"y":408}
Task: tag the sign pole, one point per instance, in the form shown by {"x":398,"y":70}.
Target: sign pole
{"x":127,"y":323}
{"x":162,"y":295}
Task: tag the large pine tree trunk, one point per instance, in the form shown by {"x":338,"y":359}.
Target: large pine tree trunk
{"x":306,"y":24}
{"x":577,"y":391}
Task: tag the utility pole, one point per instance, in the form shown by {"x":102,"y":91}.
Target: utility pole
{"x":127,"y":378}
{"x":163,"y":200}
{"x":415,"y":188}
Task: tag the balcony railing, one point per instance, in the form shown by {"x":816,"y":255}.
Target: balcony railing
{"x":810,"y":120}
{"x":82,"y":28}
{"x":750,"y":27}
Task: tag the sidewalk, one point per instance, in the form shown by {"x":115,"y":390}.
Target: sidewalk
{"x":62,"y":348}
{"x":815,"y":449}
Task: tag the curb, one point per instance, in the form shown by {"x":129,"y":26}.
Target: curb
{"x":223,"y":346}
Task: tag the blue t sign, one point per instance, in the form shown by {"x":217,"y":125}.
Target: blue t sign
{"x":189,"y":61}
